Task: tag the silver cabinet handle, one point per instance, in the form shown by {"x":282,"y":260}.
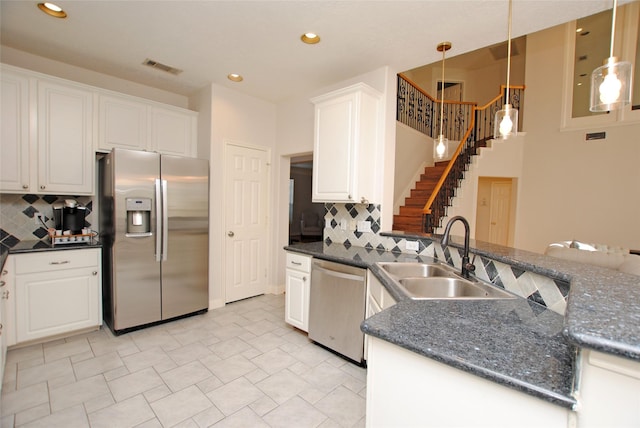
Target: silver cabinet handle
{"x":25,"y":186}
{"x":230,"y":234}
{"x":64,"y":262}
{"x":42,"y":187}
{"x":94,"y":273}
{"x":2,"y":283}
{"x":296,"y":263}
{"x":364,"y":200}
{"x":304,"y":279}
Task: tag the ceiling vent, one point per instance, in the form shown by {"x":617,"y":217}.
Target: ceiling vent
{"x":159,"y":66}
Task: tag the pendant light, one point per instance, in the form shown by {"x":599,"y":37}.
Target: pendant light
{"x":505,"y":123}
{"x":611,"y":82}
{"x":441,"y":144}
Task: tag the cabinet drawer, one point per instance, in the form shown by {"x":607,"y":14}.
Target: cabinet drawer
{"x":299,"y":262}
{"x":51,"y":261}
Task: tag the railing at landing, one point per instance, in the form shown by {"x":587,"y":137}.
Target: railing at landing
{"x":462,"y":121}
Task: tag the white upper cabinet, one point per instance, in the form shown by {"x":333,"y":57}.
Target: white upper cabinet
{"x":51,"y":128}
{"x":347,"y":145}
{"x":133,"y":123}
{"x":173,"y":132}
{"x":14,"y":132}
{"x":65,"y":131}
{"x":47,"y":135}
{"x":122,"y":123}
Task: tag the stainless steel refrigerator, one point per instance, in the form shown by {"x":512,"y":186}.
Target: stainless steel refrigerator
{"x":154,"y":227}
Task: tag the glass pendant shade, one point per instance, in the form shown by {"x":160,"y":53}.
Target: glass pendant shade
{"x":611,"y":85}
{"x":440,"y":147}
{"x":505,"y":123}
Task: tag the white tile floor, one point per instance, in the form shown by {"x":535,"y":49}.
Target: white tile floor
{"x":238,"y":366}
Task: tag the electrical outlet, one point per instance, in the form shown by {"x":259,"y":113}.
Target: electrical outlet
{"x":39,"y":219}
{"x":353,"y":225}
{"x":412,"y":245}
{"x":364,"y":226}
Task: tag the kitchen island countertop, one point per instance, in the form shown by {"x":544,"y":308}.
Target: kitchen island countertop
{"x":516,"y":342}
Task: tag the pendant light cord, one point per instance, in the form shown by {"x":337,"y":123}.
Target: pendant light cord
{"x":442,"y":92}
{"x":506,"y":97}
{"x":613,"y":26}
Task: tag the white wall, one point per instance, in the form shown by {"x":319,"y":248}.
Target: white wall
{"x":295,"y":136}
{"x":572,"y":188}
{"x":88,"y":77}
{"x":414,"y":151}
{"x":239,"y":118}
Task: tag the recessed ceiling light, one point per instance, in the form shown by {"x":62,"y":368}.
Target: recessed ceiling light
{"x":234,"y":77}
{"x":52,"y":10}
{"x":310,"y":38}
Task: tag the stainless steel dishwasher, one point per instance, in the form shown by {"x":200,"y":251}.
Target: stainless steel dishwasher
{"x":337,"y":307}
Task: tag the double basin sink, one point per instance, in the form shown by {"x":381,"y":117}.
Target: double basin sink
{"x":422,"y":281}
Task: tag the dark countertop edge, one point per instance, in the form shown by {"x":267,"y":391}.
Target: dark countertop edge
{"x":474,"y":369}
{"x":40,"y":246}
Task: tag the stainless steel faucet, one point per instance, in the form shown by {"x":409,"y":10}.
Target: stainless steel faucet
{"x":467,"y":267}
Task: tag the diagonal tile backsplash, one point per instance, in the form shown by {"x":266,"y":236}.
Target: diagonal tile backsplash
{"x":17,"y":221}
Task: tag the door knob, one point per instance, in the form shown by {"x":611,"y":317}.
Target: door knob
{"x":230,"y":234}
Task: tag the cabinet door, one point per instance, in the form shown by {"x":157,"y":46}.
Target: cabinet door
{"x":48,"y":304}
{"x":334,"y":150}
{"x":173,"y":132}
{"x":123,"y":123}
{"x":14,"y":137}
{"x":65,"y":149}
{"x":297,"y":299}
{"x":7,"y":301}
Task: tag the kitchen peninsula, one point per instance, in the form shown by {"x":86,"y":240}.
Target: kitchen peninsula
{"x":582,"y":367}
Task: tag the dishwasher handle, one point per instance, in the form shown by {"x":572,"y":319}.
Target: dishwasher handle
{"x":337,"y":274}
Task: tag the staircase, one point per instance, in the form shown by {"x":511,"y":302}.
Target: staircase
{"x":410,"y":217}
{"x":417,"y":109}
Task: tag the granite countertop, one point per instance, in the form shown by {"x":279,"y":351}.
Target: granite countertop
{"x":516,"y":342}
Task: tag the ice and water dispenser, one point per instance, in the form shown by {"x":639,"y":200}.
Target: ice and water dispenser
{"x":138,"y":216}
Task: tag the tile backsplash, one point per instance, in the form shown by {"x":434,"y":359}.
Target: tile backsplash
{"x":17,"y":216}
{"x":532,"y":286}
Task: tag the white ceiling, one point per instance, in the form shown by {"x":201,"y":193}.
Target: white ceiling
{"x":261,"y":39}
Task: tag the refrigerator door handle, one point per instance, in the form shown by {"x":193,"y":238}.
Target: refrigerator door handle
{"x":165,"y":221}
{"x":159,"y":217}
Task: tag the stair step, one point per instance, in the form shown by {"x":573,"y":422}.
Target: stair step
{"x":413,"y":211}
{"x":426,"y":185}
{"x":421,"y":193}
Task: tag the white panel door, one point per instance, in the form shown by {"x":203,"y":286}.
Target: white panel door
{"x":246,"y":196}
{"x":500,"y":214}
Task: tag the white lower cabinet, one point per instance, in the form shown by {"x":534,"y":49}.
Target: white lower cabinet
{"x":405,"y":389}
{"x":57,"y":292}
{"x":297,"y":289}
{"x":378,"y":298}
{"x":609,"y":391}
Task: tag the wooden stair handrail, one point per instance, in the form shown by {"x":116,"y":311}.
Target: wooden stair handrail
{"x":445,"y":173}
{"x":415,"y":85}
